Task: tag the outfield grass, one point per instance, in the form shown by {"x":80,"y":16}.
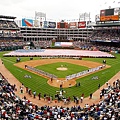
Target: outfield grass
{"x":71,"y":69}
{"x":39,"y":84}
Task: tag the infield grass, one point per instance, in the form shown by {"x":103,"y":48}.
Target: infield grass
{"x":71,"y":69}
{"x":39,"y":84}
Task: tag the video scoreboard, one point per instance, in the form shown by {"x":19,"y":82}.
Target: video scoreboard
{"x":112,"y":14}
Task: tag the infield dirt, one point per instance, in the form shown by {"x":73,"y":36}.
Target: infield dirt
{"x":58,"y":81}
{"x":11,"y":79}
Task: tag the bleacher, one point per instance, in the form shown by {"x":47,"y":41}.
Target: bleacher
{"x":42,"y":43}
{"x":14,"y":108}
{"x":10,"y":35}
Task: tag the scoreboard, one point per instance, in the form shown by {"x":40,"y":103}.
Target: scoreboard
{"x":112,"y":14}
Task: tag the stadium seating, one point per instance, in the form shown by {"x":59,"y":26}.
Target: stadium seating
{"x":106,"y":34}
{"x":14,"y":108}
{"x":42,"y":43}
{"x":8,"y":24}
{"x":84,"y":45}
{"x":11,"y":45}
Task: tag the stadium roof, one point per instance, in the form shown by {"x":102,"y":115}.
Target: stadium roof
{"x":107,"y":24}
{"x":7,"y":17}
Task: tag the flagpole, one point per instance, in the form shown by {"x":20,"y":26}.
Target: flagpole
{"x":45,"y":16}
{"x":89,"y":16}
{"x":84,"y":16}
{"x":35,"y":15}
{"x":79,"y":17}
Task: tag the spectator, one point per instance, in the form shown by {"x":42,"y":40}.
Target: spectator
{"x":21,"y":89}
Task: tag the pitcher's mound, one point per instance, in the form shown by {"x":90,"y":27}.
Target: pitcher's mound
{"x":62,"y":68}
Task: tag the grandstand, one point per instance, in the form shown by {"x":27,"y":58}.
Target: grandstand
{"x":106,"y":34}
{"x":106,"y":37}
{"x":10,"y":35}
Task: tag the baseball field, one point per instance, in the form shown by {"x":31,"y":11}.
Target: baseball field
{"x":41,"y":84}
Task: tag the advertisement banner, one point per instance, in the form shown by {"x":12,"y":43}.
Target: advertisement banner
{"x":89,"y":24}
{"x":66,"y":25}
{"x":73,"y":25}
{"x":27,"y":22}
{"x":45,"y":24}
{"x":36,"y":23}
{"x":119,"y":15}
{"x":51,"y":24}
{"x":82,"y":24}
{"x":48,"y":24}
{"x":63,"y":44}
{"x":109,"y":18}
{"x":102,"y":13}
{"x":97,"y":17}
{"x":58,"y":24}
{"x":116,"y":10}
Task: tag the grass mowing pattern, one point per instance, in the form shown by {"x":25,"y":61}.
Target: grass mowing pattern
{"x":39,"y":84}
{"x":71,"y":69}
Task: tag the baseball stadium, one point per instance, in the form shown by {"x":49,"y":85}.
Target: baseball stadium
{"x":60,"y":70}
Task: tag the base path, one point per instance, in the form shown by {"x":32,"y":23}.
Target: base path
{"x":57,"y":82}
{"x":12,"y":80}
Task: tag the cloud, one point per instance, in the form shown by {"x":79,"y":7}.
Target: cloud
{"x":54,"y":9}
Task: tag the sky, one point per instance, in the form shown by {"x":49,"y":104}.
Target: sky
{"x":55,"y":9}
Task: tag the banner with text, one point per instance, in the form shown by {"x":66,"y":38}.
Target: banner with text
{"x":82,"y":24}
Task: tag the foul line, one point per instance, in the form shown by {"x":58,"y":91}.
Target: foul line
{"x":7,"y":60}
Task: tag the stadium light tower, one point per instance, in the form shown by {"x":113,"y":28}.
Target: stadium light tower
{"x":40,"y":16}
{"x":84,"y":16}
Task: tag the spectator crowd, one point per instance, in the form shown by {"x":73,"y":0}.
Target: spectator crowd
{"x":42,"y":43}
{"x":14,"y":108}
